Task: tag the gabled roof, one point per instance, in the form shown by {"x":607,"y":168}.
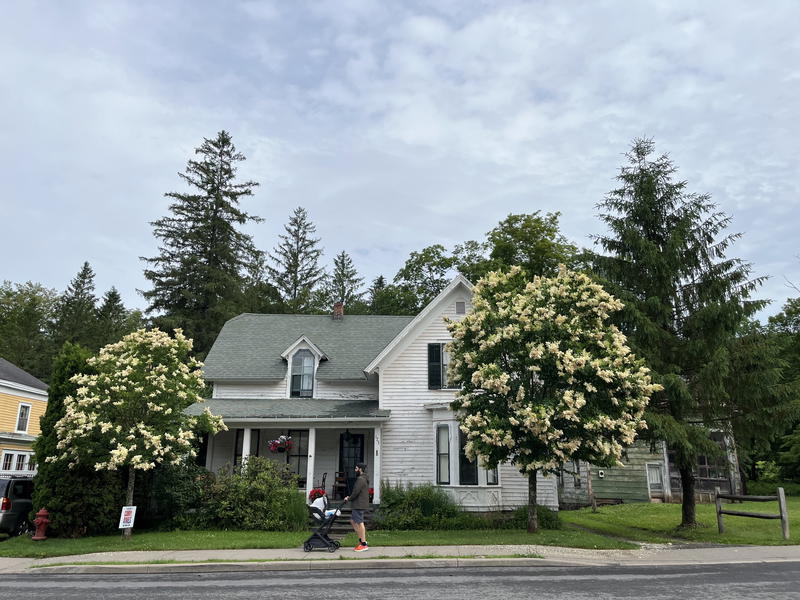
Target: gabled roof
{"x":303,"y":340}
{"x":12,"y":373}
{"x":457,"y":281}
{"x":249,"y":347}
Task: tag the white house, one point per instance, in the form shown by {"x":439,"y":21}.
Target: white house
{"x":353,"y":388}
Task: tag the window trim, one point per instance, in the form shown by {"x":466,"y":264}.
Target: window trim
{"x":12,"y":456}
{"x":441,"y":364}
{"x":463,"y":307}
{"x":27,"y":417}
{"x":292,"y":374}
{"x":454,"y":450}
{"x":440,"y":480}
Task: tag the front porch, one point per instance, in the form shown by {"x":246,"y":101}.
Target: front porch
{"x":322,"y":455}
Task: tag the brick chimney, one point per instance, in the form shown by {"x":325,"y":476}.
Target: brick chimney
{"x":338,"y":311}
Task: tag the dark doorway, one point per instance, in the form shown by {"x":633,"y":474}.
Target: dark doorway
{"x":351,"y":452}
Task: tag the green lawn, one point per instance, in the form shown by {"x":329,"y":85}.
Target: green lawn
{"x":646,"y":522}
{"x":216,"y":540}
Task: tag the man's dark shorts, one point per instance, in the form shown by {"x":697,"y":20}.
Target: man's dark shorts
{"x":357,"y":516}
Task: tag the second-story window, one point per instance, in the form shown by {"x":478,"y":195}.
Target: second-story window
{"x":23,"y":416}
{"x":302,"y":374}
{"x":438,"y":361}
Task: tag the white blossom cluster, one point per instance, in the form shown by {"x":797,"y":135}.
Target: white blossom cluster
{"x":544,"y":376}
{"x":129,"y":412}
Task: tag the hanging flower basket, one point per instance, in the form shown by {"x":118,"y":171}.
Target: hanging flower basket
{"x":282,"y":444}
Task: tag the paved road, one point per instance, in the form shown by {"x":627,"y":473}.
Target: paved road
{"x":757,"y":581}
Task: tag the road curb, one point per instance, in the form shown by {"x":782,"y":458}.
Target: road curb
{"x":305,"y":565}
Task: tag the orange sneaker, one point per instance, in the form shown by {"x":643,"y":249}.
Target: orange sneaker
{"x":361,"y":548}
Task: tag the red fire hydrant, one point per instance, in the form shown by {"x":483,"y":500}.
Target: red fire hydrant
{"x":41,"y":521}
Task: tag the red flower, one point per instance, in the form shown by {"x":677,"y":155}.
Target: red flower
{"x":315,"y":493}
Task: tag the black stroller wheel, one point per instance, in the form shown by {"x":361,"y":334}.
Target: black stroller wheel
{"x":307,"y":547}
{"x":333,"y":547}
{"x":338,"y":545}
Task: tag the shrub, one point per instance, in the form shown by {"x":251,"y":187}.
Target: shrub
{"x":181,"y":496}
{"x":429,"y":507}
{"x":261,"y":495}
{"x":769,"y":488}
{"x":80,"y":500}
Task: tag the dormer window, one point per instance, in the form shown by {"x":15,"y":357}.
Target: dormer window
{"x":302,"y":374}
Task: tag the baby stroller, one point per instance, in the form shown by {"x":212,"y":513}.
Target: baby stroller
{"x":324,"y":518}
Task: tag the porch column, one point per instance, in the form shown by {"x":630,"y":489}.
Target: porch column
{"x":210,"y":452}
{"x":376,"y":465}
{"x":312,"y":444}
{"x":246,"y":445}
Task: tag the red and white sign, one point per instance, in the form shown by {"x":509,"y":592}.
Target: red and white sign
{"x":126,"y":517}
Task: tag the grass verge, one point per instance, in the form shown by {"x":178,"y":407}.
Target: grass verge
{"x":657,"y":523}
{"x":24,"y":547}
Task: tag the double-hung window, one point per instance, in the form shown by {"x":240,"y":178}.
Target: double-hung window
{"x":438,"y":361}
{"x":443,"y":454}
{"x":23,"y":416}
{"x":302,"y":374}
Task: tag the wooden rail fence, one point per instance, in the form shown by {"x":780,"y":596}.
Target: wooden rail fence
{"x":783,"y":513}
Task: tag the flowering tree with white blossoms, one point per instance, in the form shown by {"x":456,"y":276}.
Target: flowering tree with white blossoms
{"x":545,"y":378}
{"x":131,"y":412}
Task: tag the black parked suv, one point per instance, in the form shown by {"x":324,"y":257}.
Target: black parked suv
{"x":15,"y":504}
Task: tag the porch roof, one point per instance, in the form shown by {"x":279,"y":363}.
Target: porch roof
{"x":291,"y":408}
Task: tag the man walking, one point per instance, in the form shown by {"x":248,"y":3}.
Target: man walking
{"x":359,"y":501}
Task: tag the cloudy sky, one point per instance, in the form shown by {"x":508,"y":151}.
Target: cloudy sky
{"x":396,"y":124}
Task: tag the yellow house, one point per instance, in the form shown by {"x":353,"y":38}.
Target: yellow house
{"x":23,"y":400}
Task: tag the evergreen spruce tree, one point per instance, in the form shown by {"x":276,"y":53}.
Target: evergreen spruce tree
{"x":389,"y":299}
{"x":344,"y":284}
{"x":684,"y":301}
{"x":80,"y":500}
{"x":76,"y":315}
{"x":296,"y":271}
{"x":114,"y":320}
{"x":199,"y":275}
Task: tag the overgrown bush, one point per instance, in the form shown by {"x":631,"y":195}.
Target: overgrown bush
{"x":769,"y":488}
{"x":429,"y":507}
{"x":80,"y":500}
{"x":181,"y":496}
{"x":261,"y":495}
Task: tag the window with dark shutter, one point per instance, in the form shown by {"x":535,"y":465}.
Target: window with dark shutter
{"x":434,"y":366}
{"x":467,"y":470}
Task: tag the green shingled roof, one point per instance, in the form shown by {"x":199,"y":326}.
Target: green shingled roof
{"x":249,"y":346}
{"x":290,"y":408}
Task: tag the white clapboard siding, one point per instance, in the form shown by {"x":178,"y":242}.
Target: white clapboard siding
{"x":408,"y":437}
{"x":264,"y":389}
{"x":408,"y":440}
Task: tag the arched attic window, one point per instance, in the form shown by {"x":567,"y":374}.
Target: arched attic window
{"x":302,"y":374}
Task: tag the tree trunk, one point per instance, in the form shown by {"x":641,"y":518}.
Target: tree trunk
{"x":688,"y":505}
{"x":533,"y":516}
{"x":129,"y":497}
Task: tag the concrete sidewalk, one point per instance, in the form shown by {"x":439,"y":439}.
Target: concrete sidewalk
{"x":395,"y":557}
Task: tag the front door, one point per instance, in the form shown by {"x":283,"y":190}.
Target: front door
{"x":351,"y":452}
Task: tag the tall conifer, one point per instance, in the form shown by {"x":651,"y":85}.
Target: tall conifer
{"x":295,"y":269}
{"x":199,"y":275}
{"x":76,"y":314}
{"x":684,"y":301}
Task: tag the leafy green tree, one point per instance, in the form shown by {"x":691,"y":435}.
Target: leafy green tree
{"x":684,"y":301}
{"x":27,"y":311}
{"x":295,"y":269}
{"x":531,"y":241}
{"x":425,"y":274}
{"x":544,"y":376}
{"x":129,"y":414}
{"x":76,"y":312}
{"x":80,"y":501}
{"x":199,"y":276}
